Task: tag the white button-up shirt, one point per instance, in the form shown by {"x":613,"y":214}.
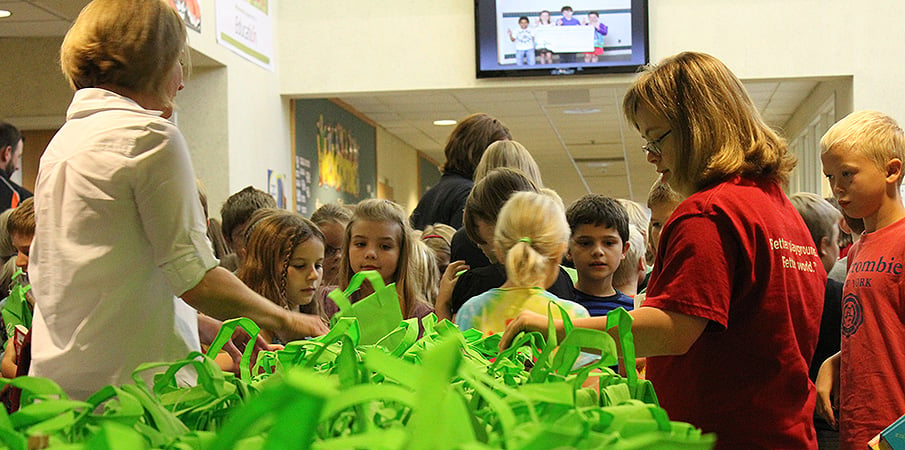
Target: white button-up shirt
{"x":120,"y":233}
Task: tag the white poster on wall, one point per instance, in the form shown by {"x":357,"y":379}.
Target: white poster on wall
{"x":246,"y":27}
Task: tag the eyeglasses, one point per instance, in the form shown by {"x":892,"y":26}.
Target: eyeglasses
{"x":653,"y":147}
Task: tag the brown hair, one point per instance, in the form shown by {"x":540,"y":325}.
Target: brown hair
{"x":717,"y":128}
{"x":377,"y":210}
{"x":238,"y":208}
{"x":438,"y":237}
{"x":820,"y":216}
{"x":331,"y":212}
{"x":468,"y":141}
{"x":273,"y":234}
{"x":660,"y":193}
{"x":131,"y":44}
{"x":425,"y":274}
{"x":489,"y":195}
{"x":22,"y":220}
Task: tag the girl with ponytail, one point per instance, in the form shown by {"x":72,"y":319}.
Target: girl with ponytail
{"x":530,"y":237}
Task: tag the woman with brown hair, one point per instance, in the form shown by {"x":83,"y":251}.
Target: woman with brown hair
{"x":445,"y":201}
{"x":730,"y":321}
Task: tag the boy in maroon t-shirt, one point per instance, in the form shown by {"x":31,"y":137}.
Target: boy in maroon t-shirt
{"x":862,"y":159}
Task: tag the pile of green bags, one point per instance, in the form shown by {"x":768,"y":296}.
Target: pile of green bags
{"x":447,"y":389}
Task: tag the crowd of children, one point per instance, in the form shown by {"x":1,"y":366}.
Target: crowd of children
{"x":743,"y":332}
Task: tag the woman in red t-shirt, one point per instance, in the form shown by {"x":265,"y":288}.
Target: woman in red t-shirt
{"x":735,"y":297}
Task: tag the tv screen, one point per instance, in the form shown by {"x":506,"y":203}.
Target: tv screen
{"x":539,"y":37}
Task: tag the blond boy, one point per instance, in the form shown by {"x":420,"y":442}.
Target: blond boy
{"x":862,"y":159}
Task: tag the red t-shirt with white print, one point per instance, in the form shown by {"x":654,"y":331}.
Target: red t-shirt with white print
{"x":739,"y":255}
{"x":872,"y":368}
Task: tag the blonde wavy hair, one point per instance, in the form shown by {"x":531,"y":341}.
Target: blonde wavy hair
{"x":716,"y":127}
{"x":378,"y":210}
{"x":531,"y":232}
{"x":425,"y":274}
{"x":508,"y":154}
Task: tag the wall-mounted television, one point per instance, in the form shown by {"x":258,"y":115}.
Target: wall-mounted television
{"x":571,"y":37}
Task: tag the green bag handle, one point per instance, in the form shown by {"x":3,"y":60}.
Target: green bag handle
{"x":290,"y":409}
{"x":128,"y":410}
{"x":35,"y":388}
{"x":542,"y":368}
{"x":341,"y":298}
{"x":435,"y":400}
{"x":621,"y":319}
{"x":226,"y":332}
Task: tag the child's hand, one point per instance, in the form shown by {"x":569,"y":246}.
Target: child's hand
{"x":303,"y":325}
{"x":828,"y":389}
{"x":447,"y":284}
{"x":525,"y":321}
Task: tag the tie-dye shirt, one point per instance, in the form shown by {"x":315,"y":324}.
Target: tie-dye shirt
{"x":492,"y":310}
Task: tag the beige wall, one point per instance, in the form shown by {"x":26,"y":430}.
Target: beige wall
{"x":397,"y":166}
{"x":404,"y":45}
{"x":236,"y":118}
{"x":32,"y":88}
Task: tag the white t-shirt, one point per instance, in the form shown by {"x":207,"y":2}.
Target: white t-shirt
{"x":120,"y":233}
{"x":524,"y":39}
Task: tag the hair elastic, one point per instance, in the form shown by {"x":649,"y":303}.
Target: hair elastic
{"x":525,"y":239}
{"x":430,"y":236}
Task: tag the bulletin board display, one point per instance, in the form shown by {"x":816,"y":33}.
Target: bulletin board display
{"x":334,"y":156}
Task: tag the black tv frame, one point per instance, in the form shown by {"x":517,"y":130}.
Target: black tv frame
{"x":486,"y":47}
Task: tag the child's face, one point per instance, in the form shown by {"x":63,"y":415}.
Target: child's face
{"x":22,"y":244}
{"x":567,"y":14}
{"x":333,"y":233}
{"x":592,"y":18}
{"x":375,"y":246}
{"x":304,"y":272}
{"x":523,"y":23}
{"x":485,"y":231}
{"x":545,"y":17}
{"x":596,"y":251}
{"x":858,"y":183}
{"x":659,"y":213}
{"x":829,"y":249}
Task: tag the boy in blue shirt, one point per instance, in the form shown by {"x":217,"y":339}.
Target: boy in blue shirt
{"x":598,"y":244}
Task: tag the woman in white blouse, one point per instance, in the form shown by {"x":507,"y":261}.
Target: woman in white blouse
{"x":120,"y":232}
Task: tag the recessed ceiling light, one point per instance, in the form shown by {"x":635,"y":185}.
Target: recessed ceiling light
{"x":581,"y":111}
{"x":4,"y":13}
{"x":444,"y":122}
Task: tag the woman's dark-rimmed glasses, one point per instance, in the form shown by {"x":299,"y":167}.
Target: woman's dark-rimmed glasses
{"x":653,"y":147}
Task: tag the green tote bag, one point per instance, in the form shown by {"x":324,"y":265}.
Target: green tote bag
{"x":377,"y":314}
